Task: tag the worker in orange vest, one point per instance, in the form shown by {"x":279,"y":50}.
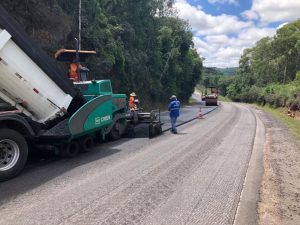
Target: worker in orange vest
{"x":132,"y":102}
{"x":73,"y":72}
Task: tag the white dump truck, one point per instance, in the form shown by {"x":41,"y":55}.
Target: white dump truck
{"x":25,"y":86}
{"x":35,"y":95}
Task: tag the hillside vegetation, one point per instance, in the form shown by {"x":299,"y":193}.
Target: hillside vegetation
{"x":220,"y":77}
{"x":141,"y":45}
{"x":270,"y":71}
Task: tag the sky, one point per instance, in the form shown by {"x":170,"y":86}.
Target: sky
{"x":224,"y":28}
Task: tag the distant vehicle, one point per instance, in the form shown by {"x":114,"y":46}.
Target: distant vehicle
{"x":211,"y":97}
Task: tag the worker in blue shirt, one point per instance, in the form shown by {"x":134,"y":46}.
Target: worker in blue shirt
{"x":174,"y":107}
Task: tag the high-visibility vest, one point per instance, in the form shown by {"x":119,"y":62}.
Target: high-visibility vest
{"x":131,"y":102}
{"x":73,"y":72}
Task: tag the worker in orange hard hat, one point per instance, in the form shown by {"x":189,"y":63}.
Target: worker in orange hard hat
{"x":132,"y":101}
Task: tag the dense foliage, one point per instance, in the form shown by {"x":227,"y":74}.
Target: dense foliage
{"x":141,"y":45}
{"x":268,"y":72}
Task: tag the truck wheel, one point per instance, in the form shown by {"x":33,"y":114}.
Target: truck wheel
{"x":70,"y":150}
{"x":13,"y":153}
{"x":86,"y":144}
{"x":114,"y":134}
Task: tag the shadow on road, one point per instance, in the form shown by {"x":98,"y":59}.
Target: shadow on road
{"x":42,"y":168}
{"x":180,"y":133}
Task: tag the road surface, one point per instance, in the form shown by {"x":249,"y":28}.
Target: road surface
{"x":195,"y":177}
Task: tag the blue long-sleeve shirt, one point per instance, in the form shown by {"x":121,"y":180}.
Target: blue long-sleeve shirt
{"x":174,"y":107}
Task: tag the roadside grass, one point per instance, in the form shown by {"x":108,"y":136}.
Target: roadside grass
{"x":191,"y":101}
{"x":292,"y":123}
{"x":224,"y":99}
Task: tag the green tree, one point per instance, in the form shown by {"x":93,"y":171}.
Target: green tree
{"x":141,"y":45}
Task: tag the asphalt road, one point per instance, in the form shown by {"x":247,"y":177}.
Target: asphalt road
{"x":194,"y":177}
{"x":187,"y":114}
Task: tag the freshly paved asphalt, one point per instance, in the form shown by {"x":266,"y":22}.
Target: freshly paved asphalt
{"x":187,"y":114}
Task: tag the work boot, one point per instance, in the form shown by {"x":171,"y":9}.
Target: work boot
{"x":174,"y":132}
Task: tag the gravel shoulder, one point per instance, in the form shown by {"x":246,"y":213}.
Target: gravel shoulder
{"x":280,"y":188}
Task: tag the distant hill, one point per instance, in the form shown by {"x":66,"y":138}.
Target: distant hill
{"x":230,"y":71}
{"x":214,"y":71}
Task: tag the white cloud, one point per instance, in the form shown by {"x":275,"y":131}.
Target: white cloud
{"x":268,"y":11}
{"x":225,"y":51}
{"x":254,"y":34}
{"x":221,"y":39}
{"x":234,"y":2}
{"x":250,"y":14}
{"x":217,"y":39}
{"x":206,"y":24}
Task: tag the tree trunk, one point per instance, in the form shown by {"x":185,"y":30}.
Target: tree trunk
{"x":284,"y":75}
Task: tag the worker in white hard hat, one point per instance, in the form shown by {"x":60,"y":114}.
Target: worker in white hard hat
{"x":174,"y":107}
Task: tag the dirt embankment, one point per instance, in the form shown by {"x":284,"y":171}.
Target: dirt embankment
{"x":280,"y":190}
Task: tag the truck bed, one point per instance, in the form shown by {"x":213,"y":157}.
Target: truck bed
{"x":28,"y":45}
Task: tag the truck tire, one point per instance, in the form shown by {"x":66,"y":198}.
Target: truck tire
{"x":70,"y":150}
{"x":114,"y":134}
{"x":13,"y":153}
{"x":86,"y":144}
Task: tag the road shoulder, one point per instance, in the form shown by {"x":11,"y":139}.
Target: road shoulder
{"x":279,"y":197}
{"x":247,"y":209}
